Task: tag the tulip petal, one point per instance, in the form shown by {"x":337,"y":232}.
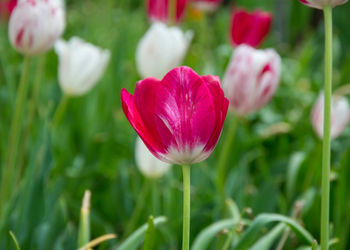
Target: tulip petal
{"x":194,"y":106}
{"x":250,"y":28}
{"x":221,"y":108}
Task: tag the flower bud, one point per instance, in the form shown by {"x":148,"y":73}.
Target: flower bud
{"x":35,"y":25}
{"x":320,"y":4}
{"x":81,"y":65}
{"x":148,"y":164}
{"x":340,"y":115}
{"x":161,"y":49}
{"x":251,"y":78}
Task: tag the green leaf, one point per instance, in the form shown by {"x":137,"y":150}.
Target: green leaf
{"x":263,"y":220}
{"x":135,"y":239}
{"x":15,"y":241}
{"x":149,"y":238}
{"x":233,"y":208}
{"x":84,"y":225}
{"x":265,"y":242}
{"x":206,"y":236}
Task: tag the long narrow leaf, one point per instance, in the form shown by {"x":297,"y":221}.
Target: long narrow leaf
{"x":15,"y":241}
{"x":249,"y":236}
{"x":233,"y":208}
{"x":265,"y":242}
{"x":149,"y":238}
{"x":207,"y":235}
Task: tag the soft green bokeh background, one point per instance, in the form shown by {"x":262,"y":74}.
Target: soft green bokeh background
{"x":93,"y":147}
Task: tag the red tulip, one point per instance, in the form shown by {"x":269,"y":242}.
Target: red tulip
{"x":320,"y":4}
{"x":250,"y":28}
{"x":179,"y":118}
{"x":158,"y":10}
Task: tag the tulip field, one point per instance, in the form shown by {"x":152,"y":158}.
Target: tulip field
{"x":174,"y":124}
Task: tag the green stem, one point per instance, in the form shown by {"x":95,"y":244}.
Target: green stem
{"x":9,"y":172}
{"x":225,"y":152}
{"x":326,"y":130}
{"x":186,"y":169}
{"x":155,"y":197}
{"x":60,"y":110}
{"x":32,"y":108}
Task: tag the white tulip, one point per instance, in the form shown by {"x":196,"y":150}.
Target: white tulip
{"x":81,"y":65}
{"x":251,"y":78}
{"x":35,"y":25}
{"x":340,"y":115}
{"x":161,"y":49}
{"x":148,"y":164}
{"x":320,"y":4}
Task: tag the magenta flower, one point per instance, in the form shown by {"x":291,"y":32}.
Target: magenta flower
{"x":206,"y":5}
{"x":320,"y":4}
{"x":179,"y":118}
{"x":158,"y":10}
{"x":251,"y":78}
{"x":340,"y":115}
{"x":35,"y":25}
{"x":250,"y":28}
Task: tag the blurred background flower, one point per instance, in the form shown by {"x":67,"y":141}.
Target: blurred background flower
{"x":251,"y":78}
{"x":158,"y":10}
{"x":81,"y":65}
{"x":340,"y":115}
{"x":250,"y":28}
{"x":148,"y":164}
{"x":319,"y":4}
{"x":161,"y":49}
{"x":35,"y":25}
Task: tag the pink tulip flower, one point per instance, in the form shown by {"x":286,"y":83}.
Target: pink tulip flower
{"x":340,"y":115}
{"x":35,"y":25}
{"x":251,"y":78}
{"x":158,"y":10}
{"x":320,"y":4}
{"x":206,"y":5}
{"x":179,"y":118}
{"x":250,"y":28}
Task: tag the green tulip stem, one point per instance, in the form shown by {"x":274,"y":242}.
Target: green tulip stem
{"x":326,"y":130}
{"x":186,"y":170}
{"x":61,"y":109}
{"x":9,"y":173}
